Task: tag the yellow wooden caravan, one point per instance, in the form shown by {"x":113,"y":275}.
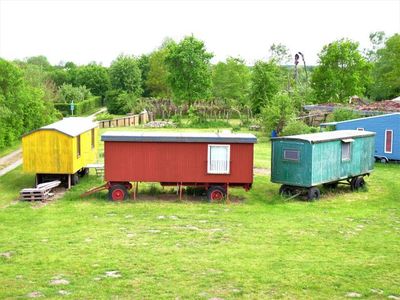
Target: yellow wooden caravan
{"x":60,"y":150}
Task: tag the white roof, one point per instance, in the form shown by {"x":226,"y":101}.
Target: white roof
{"x":183,"y":137}
{"x":328,"y":136}
{"x":73,"y":126}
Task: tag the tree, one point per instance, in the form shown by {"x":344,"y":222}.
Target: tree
{"x":120,"y":103}
{"x":125,"y":75}
{"x":265,"y":81}
{"x":386,"y":71}
{"x":231,"y":80}
{"x":22,"y":106}
{"x":280,"y":54}
{"x":40,"y":61}
{"x":94,"y":77}
{"x":377,"y":40}
{"x":189,"y":70}
{"x":342,"y":72}
{"x":157,"y":78}
{"x":278,"y":112}
{"x":144,"y":66}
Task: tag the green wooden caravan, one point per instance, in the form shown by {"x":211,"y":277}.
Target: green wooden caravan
{"x":302,"y":162}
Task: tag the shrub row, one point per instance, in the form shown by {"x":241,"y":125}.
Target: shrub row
{"x":79,"y":107}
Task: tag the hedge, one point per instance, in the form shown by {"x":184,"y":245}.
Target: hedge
{"x":80,"y":107}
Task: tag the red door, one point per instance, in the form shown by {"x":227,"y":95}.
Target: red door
{"x":388,"y":141}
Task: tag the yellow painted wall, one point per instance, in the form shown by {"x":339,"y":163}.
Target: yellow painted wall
{"x":52,"y":152}
{"x":88,"y":154}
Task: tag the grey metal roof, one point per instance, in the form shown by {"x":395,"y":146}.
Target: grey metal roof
{"x":358,"y":119}
{"x":179,"y":137}
{"x":327,"y":136}
{"x":73,"y":126}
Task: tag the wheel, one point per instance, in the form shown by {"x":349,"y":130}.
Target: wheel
{"x":357,"y":183}
{"x":118,"y":192}
{"x":313,"y":194}
{"x":84,"y":171}
{"x":331,"y":185}
{"x":74,"y":179}
{"x":383,"y":160}
{"x":216,"y":193}
{"x":285,"y":190}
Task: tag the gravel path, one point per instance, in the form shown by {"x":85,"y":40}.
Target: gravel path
{"x":10,"y":161}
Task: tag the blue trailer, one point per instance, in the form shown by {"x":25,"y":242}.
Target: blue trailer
{"x":387,"y":129}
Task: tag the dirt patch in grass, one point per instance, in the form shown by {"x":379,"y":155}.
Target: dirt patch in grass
{"x":58,"y":194}
{"x":262,"y":171}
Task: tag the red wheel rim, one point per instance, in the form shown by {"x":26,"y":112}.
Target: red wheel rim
{"x":216,"y":195}
{"x":118,"y":195}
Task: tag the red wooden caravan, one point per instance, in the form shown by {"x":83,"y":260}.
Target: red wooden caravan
{"x":214,"y":161}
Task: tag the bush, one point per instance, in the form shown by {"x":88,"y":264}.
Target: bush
{"x":68,"y":93}
{"x":294,"y":127}
{"x":104,"y":116}
{"x":120,"y":102}
{"x":80,"y":107}
{"x":343,"y":114}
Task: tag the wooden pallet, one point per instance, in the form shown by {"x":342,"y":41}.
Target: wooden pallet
{"x":41,"y":192}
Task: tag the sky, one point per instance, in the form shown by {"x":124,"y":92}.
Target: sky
{"x":87,"y":31}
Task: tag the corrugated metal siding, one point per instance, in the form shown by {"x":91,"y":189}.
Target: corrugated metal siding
{"x":378,"y":125}
{"x":88,"y":154}
{"x":321,"y":162}
{"x":52,"y":152}
{"x":291,"y":172}
{"x":47,"y":151}
{"x":173,"y":162}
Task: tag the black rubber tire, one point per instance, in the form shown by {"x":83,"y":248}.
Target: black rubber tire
{"x":357,"y":183}
{"x":118,"y":191}
{"x":285,"y":190}
{"x":383,"y":160}
{"x":313,"y":193}
{"x":83,"y":172}
{"x":74,"y":179}
{"x":215,"y":190}
{"x":331,"y":185}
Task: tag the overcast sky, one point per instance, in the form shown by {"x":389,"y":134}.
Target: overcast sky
{"x":85,"y":31}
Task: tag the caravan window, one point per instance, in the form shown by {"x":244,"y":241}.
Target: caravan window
{"x":388,"y":140}
{"x":218,"y":159}
{"x":289,"y":154}
{"x":346,"y":150}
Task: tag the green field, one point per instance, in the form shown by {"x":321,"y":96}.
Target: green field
{"x":258,"y":247}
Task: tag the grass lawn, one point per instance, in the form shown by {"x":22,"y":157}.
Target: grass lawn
{"x":262,"y":247}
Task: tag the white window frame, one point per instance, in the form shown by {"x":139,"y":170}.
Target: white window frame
{"x":209,"y":171}
{"x":391,"y":141}
{"x":347,"y":158}
{"x":360,"y":129}
{"x":291,"y":159}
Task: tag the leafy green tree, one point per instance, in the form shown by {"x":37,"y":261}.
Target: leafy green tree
{"x":231,"y":80}
{"x":120,"y":103}
{"x":125,"y":75}
{"x":265,"y":83}
{"x":157,"y":79}
{"x":386,"y":71}
{"x":22,"y":106}
{"x":40,"y":61}
{"x":189,"y":70}
{"x":377,"y":40}
{"x":68,"y":93}
{"x":278,"y":112}
{"x":342,"y":72}
{"x":144,"y":66}
{"x":280,"y":54}
{"x":95,"y":77}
